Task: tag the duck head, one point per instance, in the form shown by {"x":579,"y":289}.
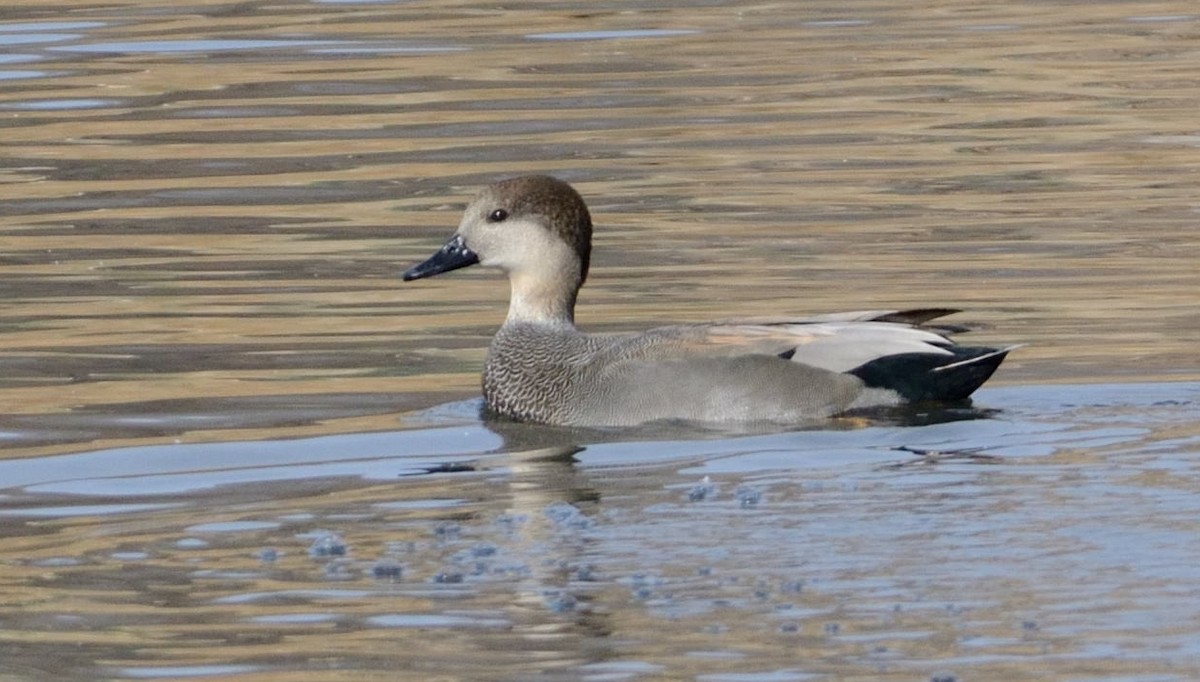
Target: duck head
{"x":534,"y":228}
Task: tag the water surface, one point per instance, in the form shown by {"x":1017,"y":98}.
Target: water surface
{"x":234,"y":446}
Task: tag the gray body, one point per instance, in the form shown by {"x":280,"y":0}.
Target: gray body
{"x":556,"y":374}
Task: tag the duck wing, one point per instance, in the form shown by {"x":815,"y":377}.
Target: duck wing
{"x":893,"y":350}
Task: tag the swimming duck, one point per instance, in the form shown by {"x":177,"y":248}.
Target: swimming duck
{"x":541,"y":368}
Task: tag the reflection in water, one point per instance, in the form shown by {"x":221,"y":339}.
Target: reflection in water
{"x":209,"y":367}
{"x":841,"y":552}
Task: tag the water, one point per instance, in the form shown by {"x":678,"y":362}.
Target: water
{"x":234,"y":446}
{"x":1054,"y":538}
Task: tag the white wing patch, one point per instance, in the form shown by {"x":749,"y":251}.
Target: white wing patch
{"x":842,"y":346}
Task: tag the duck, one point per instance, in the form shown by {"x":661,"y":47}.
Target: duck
{"x":541,"y":368}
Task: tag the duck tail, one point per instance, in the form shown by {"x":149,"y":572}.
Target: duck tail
{"x":922,"y":377}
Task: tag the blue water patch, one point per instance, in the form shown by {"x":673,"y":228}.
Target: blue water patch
{"x":57,"y":562}
{"x":51,"y":26}
{"x":18,"y":58}
{"x":232,"y":526}
{"x":175,"y":671}
{"x":612,"y":35}
{"x":18,"y":75}
{"x":837,"y":23}
{"x":34,"y":38}
{"x":619,"y":670}
{"x":75,"y":511}
{"x":296,"y":618}
{"x":438,"y":620}
{"x":178,"y":46}
{"x":171,"y":468}
{"x":60,"y":104}
{"x":390,"y":49}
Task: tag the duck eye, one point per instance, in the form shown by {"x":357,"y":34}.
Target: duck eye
{"x":497,"y":216}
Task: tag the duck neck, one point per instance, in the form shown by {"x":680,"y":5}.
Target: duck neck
{"x":540,"y":301}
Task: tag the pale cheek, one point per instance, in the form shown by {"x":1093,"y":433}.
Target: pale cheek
{"x":500,"y":261}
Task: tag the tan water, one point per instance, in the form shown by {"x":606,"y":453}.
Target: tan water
{"x":204,"y":209}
